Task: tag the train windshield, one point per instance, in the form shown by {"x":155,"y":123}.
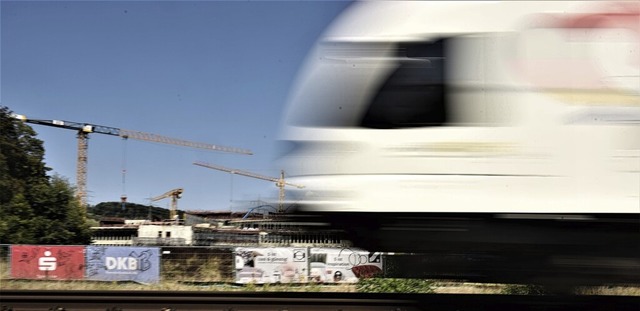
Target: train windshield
{"x":413,"y":95}
{"x":374,"y":85}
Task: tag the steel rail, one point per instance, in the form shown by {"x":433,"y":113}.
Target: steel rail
{"x":280,"y":301}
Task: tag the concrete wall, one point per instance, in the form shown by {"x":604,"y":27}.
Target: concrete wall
{"x":167,"y":231}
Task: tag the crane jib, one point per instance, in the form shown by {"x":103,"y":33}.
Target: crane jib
{"x":180,"y":142}
{"x":84,"y":129}
{"x":101,"y":129}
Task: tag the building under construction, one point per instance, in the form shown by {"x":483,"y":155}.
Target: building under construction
{"x":207,"y":228}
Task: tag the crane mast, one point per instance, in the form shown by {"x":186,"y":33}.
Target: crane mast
{"x":279,"y":182}
{"x":81,"y":167}
{"x":84,"y":129}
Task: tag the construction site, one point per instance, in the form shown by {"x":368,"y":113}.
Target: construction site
{"x":207,"y":228}
{"x":262,"y":225}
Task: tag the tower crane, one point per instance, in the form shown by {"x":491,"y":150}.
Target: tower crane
{"x":84,"y":129}
{"x":280,"y":182}
{"x":174,"y":194}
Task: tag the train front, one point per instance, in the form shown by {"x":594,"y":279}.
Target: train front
{"x":506,"y":134}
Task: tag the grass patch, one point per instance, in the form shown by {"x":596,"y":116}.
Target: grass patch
{"x":5,"y":273}
{"x":375,"y":285}
{"x":518,"y":289}
{"x":631,"y":290}
{"x":167,"y":286}
{"x":195,"y":269}
{"x":460,"y":287}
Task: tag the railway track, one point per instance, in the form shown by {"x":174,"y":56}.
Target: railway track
{"x":288,"y":301}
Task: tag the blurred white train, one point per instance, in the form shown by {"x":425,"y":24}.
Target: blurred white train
{"x":474,"y":126}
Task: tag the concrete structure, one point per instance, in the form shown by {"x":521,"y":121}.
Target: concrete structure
{"x":217,"y":229}
{"x":114,"y":236}
{"x":164,"y":234}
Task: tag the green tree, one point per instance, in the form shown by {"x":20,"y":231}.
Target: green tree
{"x":34,"y":207}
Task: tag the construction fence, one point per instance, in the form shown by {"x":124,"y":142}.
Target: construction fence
{"x":151,"y":264}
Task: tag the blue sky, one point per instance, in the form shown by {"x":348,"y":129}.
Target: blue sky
{"x":206,"y":71}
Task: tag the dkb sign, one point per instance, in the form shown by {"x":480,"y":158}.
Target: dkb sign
{"x":140,"y":264}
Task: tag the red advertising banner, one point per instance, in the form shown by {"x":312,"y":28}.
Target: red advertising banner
{"x":47,"y":262}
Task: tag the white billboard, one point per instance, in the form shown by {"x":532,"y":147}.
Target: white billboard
{"x":342,"y":265}
{"x":271,"y":265}
{"x":299,"y":265}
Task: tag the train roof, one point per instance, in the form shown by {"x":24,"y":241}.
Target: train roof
{"x":413,"y":20}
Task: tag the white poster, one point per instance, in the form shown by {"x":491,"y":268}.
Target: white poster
{"x":271,"y":265}
{"x":332,"y":265}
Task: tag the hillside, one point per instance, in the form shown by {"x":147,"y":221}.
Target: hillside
{"x":130,"y":211}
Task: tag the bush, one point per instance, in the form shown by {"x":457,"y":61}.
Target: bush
{"x":383,"y":285}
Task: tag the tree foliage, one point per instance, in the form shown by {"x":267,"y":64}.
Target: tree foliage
{"x":35,"y":208}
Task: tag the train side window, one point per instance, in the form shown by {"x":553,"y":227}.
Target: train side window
{"x":414,"y":94}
